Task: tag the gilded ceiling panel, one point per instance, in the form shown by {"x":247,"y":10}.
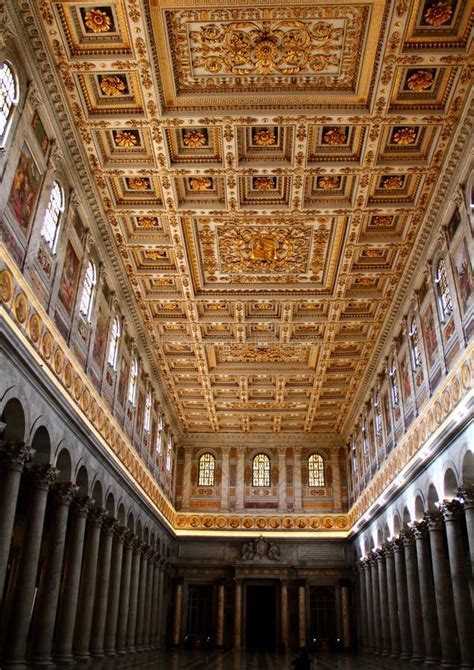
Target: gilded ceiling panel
{"x":265,"y":170}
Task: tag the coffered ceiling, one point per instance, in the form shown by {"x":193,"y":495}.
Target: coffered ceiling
{"x":265,"y":169}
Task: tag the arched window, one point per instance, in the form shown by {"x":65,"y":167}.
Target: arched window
{"x":207,"y":468}
{"x":133,"y":382}
{"x":169,"y":454}
{"x":8,"y":95}
{"x":414,"y":344}
{"x":378,"y":414}
{"x":365,"y":438}
{"x":114,"y":342}
{"x":159,"y":441}
{"x":444,"y":295}
{"x":90,"y":281}
{"x":394,"y":385}
{"x":316,"y":470}
{"x":261,"y":470}
{"x":354,"y":456}
{"x":147,"y":421}
{"x":50,"y":227}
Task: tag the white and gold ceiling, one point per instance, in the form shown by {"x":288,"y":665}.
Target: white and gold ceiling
{"x":265,"y":169}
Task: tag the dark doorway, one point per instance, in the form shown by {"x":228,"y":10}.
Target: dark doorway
{"x":261,"y":616}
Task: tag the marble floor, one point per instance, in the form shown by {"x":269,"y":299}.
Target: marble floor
{"x":233,"y":660}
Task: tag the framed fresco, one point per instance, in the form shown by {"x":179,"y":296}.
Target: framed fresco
{"x":122,"y":381}
{"x":40,"y":133}
{"x":405,"y":378}
{"x":429,"y":336}
{"x":101,"y":335}
{"x":25,"y":188}
{"x":69,"y":279}
{"x":463,"y":275}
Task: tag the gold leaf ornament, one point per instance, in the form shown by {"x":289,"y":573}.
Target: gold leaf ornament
{"x":200,"y":184}
{"x":392,"y":183}
{"x":98,"y":21}
{"x":264,"y":138}
{"x":420,"y":81}
{"x":113,"y":86}
{"x":405,"y":136}
{"x":138,"y":183}
{"x":328,"y":183}
{"x":438,"y":14}
{"x":125,"y":139}
{"x":264,"y":183}
{"x":194,"y":139}
{"x":335,"y":136}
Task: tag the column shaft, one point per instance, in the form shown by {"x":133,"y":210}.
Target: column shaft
{"x":220,"y":614}
{"x":392,"y":601}
{"x":238,"y":615}
{"x":121,"y":640}
{"x":178,"y":607}
{"x":110,"y":633}
{"x":102,"y":589}
{"x":369,"y":606}
{"x":41,"y":476}
{"x":284,"y":615}
{"x":427,"y":597}
{"x":402,"y":599}
{"x":148,"y":599}
{"x":155,"y":602}
{"x":376,"y":605}
{"x":384,"y":614}
{"x":302,"y":615}
{"x":13,"y":457}
{"x":346,"y":621}
{"x":85,"y":603}
{"x":443,"y":593}
{"x":141,"y":599}
{"x":62,"y":647}
{"x":362,"y":607}
{"x":414,"y":602}
{"x":133,"y":599}
{"x":48,"y":592}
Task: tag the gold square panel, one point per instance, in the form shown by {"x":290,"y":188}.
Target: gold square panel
{"x":260,"y":144}
{"x":407,"y":144}
{"x":394,"y":189}
{"x":135,"y":191}
{"x":92,"y":29}
{"x":131,"y":147}
{"x":111,"y":93}
{"x":195,"y":145}
{"x":336,"y":143}
{"x":439,"y":24}
{"x":265,"y":191}
{"x":154,"y":260}
{"x":329,"y":190}
{"x":224,"y":57}
{"x":383,"y":228}
{"x":374,"y":257}
{"x":422,"y":88}
{"x":200,"y":192}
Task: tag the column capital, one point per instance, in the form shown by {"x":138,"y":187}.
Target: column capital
{"x":408,"y":537}
{"x":379,"y":554}
{"x":387,"y":548}
{"x":420,"y":529}
{"x":42,"y":475}
{"x":120,"y":532}
{"x":450,"y":509}
{"x":365,"y":563}
{"x":129,"y":539}
{"x":14,"y":455}
{"x":372,"y":557}
{"x":434,"y":520}
{"x":82,"y":505}
{"x":397,"y":544}
{"x":109,"y":524}
{"x":64,"y":492}
{"x":137,"y":545}
{"x":97,"y":515}
{"x":150,"y":554}
{"x":466,"y":494}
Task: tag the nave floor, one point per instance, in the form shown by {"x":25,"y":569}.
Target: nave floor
{"x":234,"y":660}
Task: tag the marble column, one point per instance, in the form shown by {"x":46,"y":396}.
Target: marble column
{"x":443,"y":593}
{"x":375,"y":603}
{"x":110,"y":633}
{"x":148,"y":599}
{"x":383,"y":591}
{"x":392,"y":600}
{"x":302,"y":614}
{"x":225,"y":477}
{"x":48,"y":592}
{"x":124,"y":600}
{"x":141,"y":598}
{"x":133,"y":598}
{"x":238,"y":615}
{"x":220,"y":614}
{"x":402,"y":599}
{"x":240,"y":483}
{"x":187,"y":483}
{"x":414,"y":602}
{"x":466,"y":495}
{"x":162,"y":603}
{"x":282,"y":484}
{"x":297,"y":487}
{"x":102,"y":589}
{"x":13,"y":456}
{"x":41,"y":477}
{"x":178,"y":612}
{"x":452,"y":511}
{"x":284,"y":614}
{"x":62,"y":647}
{"x":346,"y":621}
{"x":85,"y":603}
{"x":427,"y":596}
{"x":155,"y":601}
{"x":362,"y":608}
{"x":368,"y":605}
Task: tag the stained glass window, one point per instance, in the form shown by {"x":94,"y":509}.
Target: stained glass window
{"x":50,"y":227}
{"x":8,"y":95}
{"x":414,"y":344}
{"x":90,"y":281}
{"x":132,"y":385}
{"x":316,"y":470}
{"x":114,"y":342}
{"x":261,"y":470}
{"x":444,"y":294}
{"x":207,"y":465}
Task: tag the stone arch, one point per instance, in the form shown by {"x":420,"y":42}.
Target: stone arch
{"x":397,"y":524}
{"x":41,"y":446}
{"x":406,"y":518}
{"x":130,"y":521}
{"x":97,"y":493}
{"x":139,"y":531}
{"x":432,"y":498}
{"x":379,"y":536}
{"x":14,"y":416}
{"x":121,"y":514}
{"x":419,"y":507}
{"x":110,"y":505}
{"x":450,"y":483}
{"x":146,"y":535}
{"x":82,"y":481}
{"x":467,"y":473}
{"x":386,"y":531}
{"x":64,"y":465}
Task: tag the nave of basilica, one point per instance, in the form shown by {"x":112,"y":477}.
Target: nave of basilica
{"x":236,"y":334}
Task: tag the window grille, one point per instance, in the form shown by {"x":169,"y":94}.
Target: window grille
{"x":50,"y":227}
{"x":261,"y":470}
{"x":444,"y":293}
{"x":316,"y":470}
{"x":114,"y":342}
{"x":207,"y":466}
{"x":132,"y":386}
{"x":147,"y":422}
{"x":90,"y":281}
{"x":8,"y":95}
